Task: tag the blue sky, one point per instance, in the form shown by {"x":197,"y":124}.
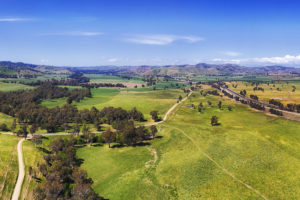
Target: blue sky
{"x":136,"y":32}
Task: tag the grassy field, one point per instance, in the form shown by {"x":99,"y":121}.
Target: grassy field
{"x":102,"y":78}
{"x":8,"y":165}
{"x":6,"y":119}
{"x":144,"y":99}
{"x":6,"y":87}
{"x":31,"y":157}
{"x":284,"y":94}
{"x":193,"y":160}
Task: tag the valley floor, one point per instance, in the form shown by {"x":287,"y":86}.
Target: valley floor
{"x":249,"y":156}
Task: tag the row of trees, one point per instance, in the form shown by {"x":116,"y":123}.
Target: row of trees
{"x":25,"y":106}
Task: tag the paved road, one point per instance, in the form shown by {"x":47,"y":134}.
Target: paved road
{"x":21,"y":175}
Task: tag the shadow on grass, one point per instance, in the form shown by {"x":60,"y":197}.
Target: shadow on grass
{"x":43,"y":150}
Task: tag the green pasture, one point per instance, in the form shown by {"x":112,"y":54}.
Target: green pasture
{"x":8,"y":165}
{"x":144,"y":99}
{"x":197,"y":161}
{"x":6,"y":87}
{"x":103,"y":78}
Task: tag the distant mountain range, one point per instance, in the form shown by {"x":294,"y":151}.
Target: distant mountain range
{"x":10,"y":68}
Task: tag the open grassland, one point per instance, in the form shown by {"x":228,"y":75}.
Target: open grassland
{"x":8,"y":165}
{"x":6,"y":119}
{"x":32,"y":156}
{"x":144,"y":99}
{"x":284,"y":93}
{"x":194,"y":160}
{"x":103,"y":78}
{"x":6,"y":87}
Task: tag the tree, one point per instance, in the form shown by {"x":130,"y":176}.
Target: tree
{"x":3,"y":127}
{"x":76,"y":129}
{"x":199,"y":109}
{"x":220,"y":104}
{"x":23,"y":131}
{"x":154,"y":115}
{"x":14,"y":125}
{"x":229,"y":108}
{"x":108,"y":136}
{"x":153,"y":131}
{"x":180,"y":97}
{"x":33,"y":129}
{"x":209,"y":103}
{"x":37,"y":139}
{"x":87,"y":135}
{"x":214,"y":121}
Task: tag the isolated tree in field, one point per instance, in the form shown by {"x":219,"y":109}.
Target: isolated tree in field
{"x":180,"y":97}
{"x":108,"y":137}
{"x":209,"y":103}
{"x":154,"y":115}
{"x":220,"y":104}
{"x":14,"y":125}
{"x":199,"y":109}
{"x":214,"y":121}
{"x":3,"y":127}
{"x":153,"y":131}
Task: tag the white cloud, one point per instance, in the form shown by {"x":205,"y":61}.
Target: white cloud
{"x":288,"y":60}
{"x":15,"y":19}
{"x":74,"y":33}
{"x":232,"y":53}
{"x":112,"y":60}
{"x":161,"y":39}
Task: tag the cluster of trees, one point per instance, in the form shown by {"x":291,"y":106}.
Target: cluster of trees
{"x":293,"y":107}
{"x":154,"y":115}
{"x":276,"y":103}
{"x":213,"y":92}
{"x":74,"y":82}
{"x":256,"y":106}
{"x":97,"y":85}
{"x":25,"y":106}
{"x":275,"y":112}
{"x":243,"y":92}
{"x":128,"y":135}
{"x":252,"y":96}
{"x":258,"y":88}
{"x":62,"y":177}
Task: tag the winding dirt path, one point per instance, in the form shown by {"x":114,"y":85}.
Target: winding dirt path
{"x":21,"y":175}
{"x":170,"y":110}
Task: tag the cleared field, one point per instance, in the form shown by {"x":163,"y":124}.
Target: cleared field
{"x":6,"y":119}
{"x":6,"y":87}
{"x":102,"y":78}
{"x":193,"y":160}
{"x":145,"y":100}
{"x":8,"y":165}
{"x":284,"y":93}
